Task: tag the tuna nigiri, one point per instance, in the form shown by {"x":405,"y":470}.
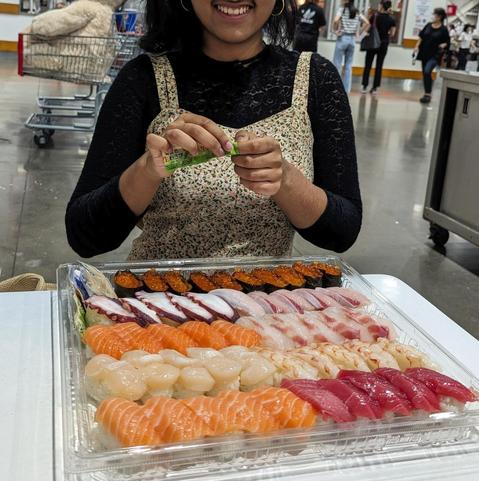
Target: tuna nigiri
{"x":323,"y":401}
{"x":441,"y":384}
{"x":418,"y":393}
{"x":388,"y":396}
{"x":358,"y":403}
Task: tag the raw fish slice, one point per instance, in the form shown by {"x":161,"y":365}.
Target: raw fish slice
{"x":442,"y":385}
{"x":299,"y":301}
{"x":193,"y":381}
{"x":125,"y":421}
{"x":272,"y":338}
{"x":248,"y":411}
{"x":355,"y":298}
{"x":289,"y":409}
{"x":159,"y":378}
{"x":102,"y":340}
{"x":310,"y":297}
{"x":262,"y":299}
{"x":179,"y":360}
{"x":377,"y":327}
{"x":285,"y":304}
{"x":211,"y":411}
{"x":388,"y":396}
{"x":324,"y":402}
{"x":342,"y":301}
{"x":138,"y":338}
{"x":346,"y":328}
{"x":240,"y":302}
{"x":191,"y":309}
{"x":280,"y":305}
{"x":173,"y":420}
{"x":373,"y":354}
{"x":319,"y":331}
{"x":288,"y":366}
{"x":162,"y":305}
{"x":406,"y":356}
{"x":171,"y":337}
{"x":144,"y":314}
{"x":289,"y":326}
{"x":104,"y":310}
{"x":348,"y":323}
{"x":215,"y":305}
{"x":418,"y":393}
{"x":203,"y":353}
{"x":358,"y":403}
{"x":324,"y":365}
{"x":204,"y":335}
{"x":323,"y":298}
{"x":135,"y":357}
{"x":342,"y":357}
{"x":237,"y":335}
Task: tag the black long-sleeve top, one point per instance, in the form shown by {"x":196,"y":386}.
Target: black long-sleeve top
{"x":233,"y":94}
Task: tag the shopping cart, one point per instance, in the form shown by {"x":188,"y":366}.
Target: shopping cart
{"x":90,"y":61}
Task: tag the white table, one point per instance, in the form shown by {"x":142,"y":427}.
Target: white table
{"x":26,"y":384}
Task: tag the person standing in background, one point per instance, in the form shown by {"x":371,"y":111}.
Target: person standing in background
{"x":346,"y":25}
{"x":433,"y":39}
{"x":453,"y":46}
{"x":311,"y":21}
{"x":465,"y":41}
{"x":386,"y":27}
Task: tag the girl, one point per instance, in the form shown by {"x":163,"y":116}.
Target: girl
{"x":209,"y":79}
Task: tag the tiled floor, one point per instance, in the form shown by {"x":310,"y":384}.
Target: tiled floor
{"x":394,"y":140}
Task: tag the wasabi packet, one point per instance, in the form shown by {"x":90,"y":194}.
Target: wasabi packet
{"x":180,"y":158}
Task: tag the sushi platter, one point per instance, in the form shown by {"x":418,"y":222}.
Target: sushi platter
{"x":241,"y":369}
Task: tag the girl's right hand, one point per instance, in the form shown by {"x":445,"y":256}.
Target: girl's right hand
{"x":189,"y":132}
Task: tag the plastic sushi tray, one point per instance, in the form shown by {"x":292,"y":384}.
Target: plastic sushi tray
{"x":327,"y":446}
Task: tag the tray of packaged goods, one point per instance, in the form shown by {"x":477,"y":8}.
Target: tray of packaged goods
{"x":244,"y":368}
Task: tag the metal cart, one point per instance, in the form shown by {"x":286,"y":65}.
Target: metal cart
{"x":90,"y":61}
{"x":452,"y":199}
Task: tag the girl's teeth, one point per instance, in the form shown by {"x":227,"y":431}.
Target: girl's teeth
{"x":233,"y":11}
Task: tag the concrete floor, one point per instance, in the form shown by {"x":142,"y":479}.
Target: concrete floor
{"x":394,"y":140}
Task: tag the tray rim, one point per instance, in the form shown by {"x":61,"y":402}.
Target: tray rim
{"x":74,"y":460}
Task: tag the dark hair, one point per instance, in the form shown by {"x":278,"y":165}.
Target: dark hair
{"x":351,"y":8}
{"x":467,"y":26}
{"x":171,"y":24}
{"x":386,"y":4}
{"x":440,"y":12}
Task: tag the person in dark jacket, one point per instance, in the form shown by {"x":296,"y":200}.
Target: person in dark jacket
{"x":386,"y":27}
{"x":433,"y":40}
{"x":311,"y":21}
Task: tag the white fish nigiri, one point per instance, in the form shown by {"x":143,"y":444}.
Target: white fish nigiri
{"x":240,"y":302}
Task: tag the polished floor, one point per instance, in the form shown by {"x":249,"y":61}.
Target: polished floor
{"x":394,"y":139}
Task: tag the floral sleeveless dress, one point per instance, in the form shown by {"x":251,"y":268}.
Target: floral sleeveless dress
{"x":204,"y":211}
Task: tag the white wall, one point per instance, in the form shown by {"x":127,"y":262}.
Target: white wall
{"x":12,"y":25}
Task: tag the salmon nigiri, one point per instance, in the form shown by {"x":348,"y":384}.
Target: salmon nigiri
{"x":138,"y":337}
{"x":237,"y":335}
{"x":171,"y":337}
{"x":174,"y":421}
{"x":233,"y":411}
{"x":127,"y":423}
{"x":102,"y":340}
{"x":289,"y":409}
{"x":204,"y":334}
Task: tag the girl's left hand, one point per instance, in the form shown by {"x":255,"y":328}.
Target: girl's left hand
{"x":260,"y":164}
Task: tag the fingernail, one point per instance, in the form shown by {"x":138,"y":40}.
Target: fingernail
{"x":220,"y":152}
{"x":229,"y":146}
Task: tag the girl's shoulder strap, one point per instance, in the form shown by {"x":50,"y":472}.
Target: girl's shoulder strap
{"x":301,"y":80}
{"x":165,"y":81}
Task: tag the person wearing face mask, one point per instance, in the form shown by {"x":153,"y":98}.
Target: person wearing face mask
{"x":208,"y":80}
{"x":433,"y":40}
